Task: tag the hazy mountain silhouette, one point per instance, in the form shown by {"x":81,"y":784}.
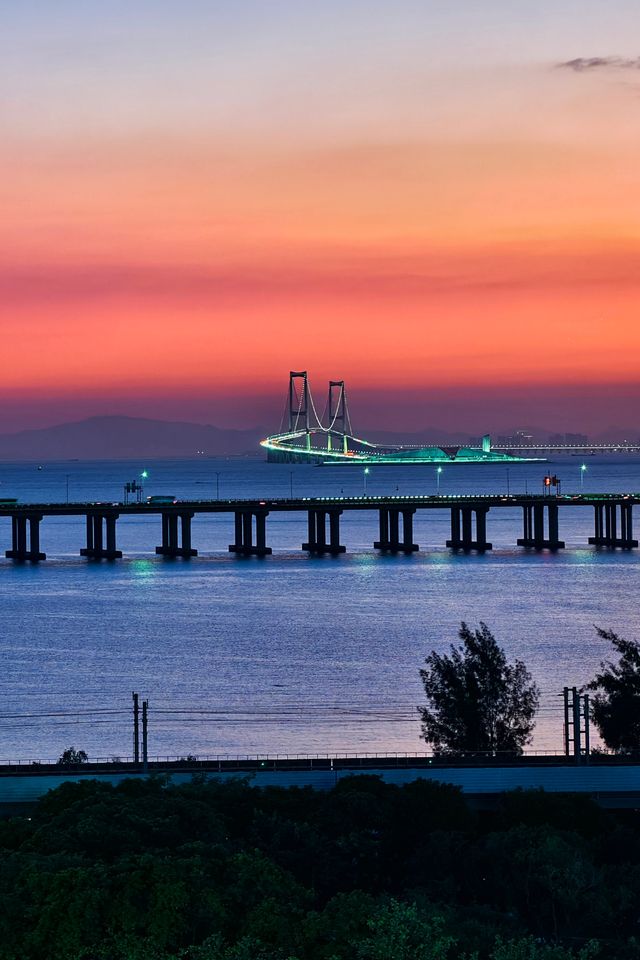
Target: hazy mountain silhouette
{"x":124,"y":438}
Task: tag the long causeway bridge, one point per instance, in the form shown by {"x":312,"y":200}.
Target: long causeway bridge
{"x":612,"y":522}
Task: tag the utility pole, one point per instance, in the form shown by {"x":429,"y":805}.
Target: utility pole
{"x":587,"y":716}
{"x":576,"y":724}
{"x":136,"y":729}
{"x":145,"y":724}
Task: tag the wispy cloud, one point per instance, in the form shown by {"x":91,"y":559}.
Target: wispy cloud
{"x":585,"y":64}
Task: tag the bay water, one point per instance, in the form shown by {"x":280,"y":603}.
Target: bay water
{"x":288,"y":654}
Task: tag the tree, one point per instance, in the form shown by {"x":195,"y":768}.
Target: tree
{"x":70,"y":757}
{"x":476,"y":700}
{"x":616,"y":706}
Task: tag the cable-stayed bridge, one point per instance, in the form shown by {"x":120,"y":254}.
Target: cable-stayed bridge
{"x":306,"y":435}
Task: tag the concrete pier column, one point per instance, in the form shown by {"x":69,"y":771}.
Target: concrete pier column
{"x":538,"y":525}
{"x":247,"y":532}
{"x":462,"y":529}
{"x":394,"y":526}
{"x":334,"y":532}
{"x":244,"y":523}
{"x":99,"y":546}
{"x":173,"y":531}
{"x":626,"y":526}
{"x":317,"y":542}
{"x":172,"y":546}
{"x":238,"y":528}
{"x":467,"y":530}
{"x":25,"y":538}
{"x":534,"y":535}
{"x":383,"y":542}
{"x":97,"y":534}
{"x":185,"y":529}
{"x":456,"y":539}
{"x":110,"y":523}
{"x":321,"y":531}
{"x":408,"y":546}
{"x":607,"y":532}
{"x":391,"y":541}
{"x":598,"y":524}
{"x":261,"y":534}
{"x":311,"y":532}
{"x":34,"y":535}
{"x":481,"y":529}
{"x":552,"y":522}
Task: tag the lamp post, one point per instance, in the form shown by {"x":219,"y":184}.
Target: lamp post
{"x":508,"y":488}
{"x":438,"y":472}
{"x":140,"y":488}
{"x":364,"y":476}
{"x":217,"y":485}
{"x":583,"y":468}
{"x":291,"y":484}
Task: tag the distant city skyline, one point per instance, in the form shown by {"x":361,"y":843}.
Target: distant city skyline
{"x":436,"y":202}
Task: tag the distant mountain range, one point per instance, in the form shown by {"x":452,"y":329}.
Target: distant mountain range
{"x":127,"y":438}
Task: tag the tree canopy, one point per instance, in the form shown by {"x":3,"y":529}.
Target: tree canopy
{"x":209,"y":870}
{"x":615,"y":709}
{"x":476,"y":699}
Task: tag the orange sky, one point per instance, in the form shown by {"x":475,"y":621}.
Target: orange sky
{"x":424,"y":222}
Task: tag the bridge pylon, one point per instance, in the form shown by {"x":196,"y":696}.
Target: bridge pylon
{"x":299,"y":405}
{"x":338,"y":412}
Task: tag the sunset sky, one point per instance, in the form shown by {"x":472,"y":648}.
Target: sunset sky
{"x":437,"y":201}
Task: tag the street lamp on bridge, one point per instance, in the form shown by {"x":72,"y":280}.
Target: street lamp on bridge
{"x":582,"y":472}
{"x":438,"y":472}
{"x":365,"y":475}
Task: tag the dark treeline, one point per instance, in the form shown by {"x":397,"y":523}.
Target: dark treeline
{"x":225,"y":871}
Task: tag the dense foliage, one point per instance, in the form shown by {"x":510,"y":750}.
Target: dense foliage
{"x":367,"y":871}
{"x":476,"y":699}
{"x":615,"y":709}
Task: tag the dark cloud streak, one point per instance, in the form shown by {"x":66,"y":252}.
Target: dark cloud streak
{"x":587,"y":64}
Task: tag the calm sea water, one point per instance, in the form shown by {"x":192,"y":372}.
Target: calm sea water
{"x":289,"y":654}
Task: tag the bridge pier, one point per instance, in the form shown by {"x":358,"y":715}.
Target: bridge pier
{"x":244,"y":524}
{"x":606,"y":525}
{"x":462,"y":529}
{"x":390,"y":541}
{"x":171,"y":547}
{"x":101,"y":537}
{"x":25,"y":538}
{"x":317,"y":542}
{"x":534,"y":527}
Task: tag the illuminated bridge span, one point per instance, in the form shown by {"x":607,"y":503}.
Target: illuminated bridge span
{"x":306,"y":436}
{"x":613,"y":522}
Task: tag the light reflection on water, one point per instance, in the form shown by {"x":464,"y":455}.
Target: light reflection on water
{"x":303,"y":636}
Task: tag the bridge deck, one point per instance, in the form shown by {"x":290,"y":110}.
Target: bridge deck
{"x":427,"y":502}
{"x":613,"y":522}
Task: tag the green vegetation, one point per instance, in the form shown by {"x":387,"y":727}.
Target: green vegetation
{"x":476,"y":700}
{"x":368,"y":871}
{"x":72,"y":757}
{"x":616,"y":706}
